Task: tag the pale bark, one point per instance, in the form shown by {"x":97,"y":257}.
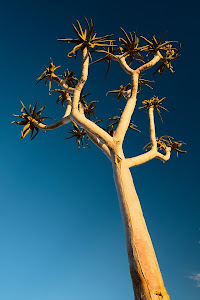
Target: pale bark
{"x":166,"y":156}
{"x":55,"y":125}
{"x":124,"y":65}
{"x":145,"y":157}
{"x":145,"y":273}
{"x":150,"y":64}
{"x":62,"y":83}
{"x":128,"y":111}
{"x":88,"y":125}
{"x":65,"y":119}
{"x":153,"y":153}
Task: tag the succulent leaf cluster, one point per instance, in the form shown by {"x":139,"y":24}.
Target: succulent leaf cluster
{"x":63,"y":96}
{"x":121,"y":92}
{"x":167,"y":141}
{"x":154,"y":46}
{"x":86,"y":38}
{"x":174,"y":145}
{"x":171,"y":54}
{"x":27,"y":115}
{"x":79,"y":134}
{"x":145,"y":82}
{"x":89,"y":108}
{"x":130,"y":45}
{"x":69,"y":78}
{"x":48,"y":74}
{"x":154,"y":102}
{"x":110,"y":54}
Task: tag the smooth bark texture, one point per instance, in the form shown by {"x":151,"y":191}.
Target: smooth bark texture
{"x":145,"y":273}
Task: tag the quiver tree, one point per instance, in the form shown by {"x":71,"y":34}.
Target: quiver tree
{"x":134,"y":59}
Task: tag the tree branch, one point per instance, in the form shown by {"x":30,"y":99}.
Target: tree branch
{"x":43,"y":126}
{"x":123,"y":125}
{"x":152,"y":128}
{"x":122,"y":61}
{"x":88,"y":125}
{"x":94,"y":139}
{"x":141,"y":159}
{"x":99,"y":144}
{"x":130,"y":105}
{"x":149,"y":64}
{"x":65,"y":119}
{"x":145,"y":157}
{"x":63,"y":84}
{"x":166,"y":156}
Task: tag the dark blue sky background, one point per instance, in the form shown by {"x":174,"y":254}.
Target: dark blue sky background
{"x":61,"y":231}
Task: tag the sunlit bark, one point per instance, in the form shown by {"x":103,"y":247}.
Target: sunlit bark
{"x":145,"y":273}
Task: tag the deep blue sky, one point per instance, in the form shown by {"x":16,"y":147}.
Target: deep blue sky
{"x":60,"y":225}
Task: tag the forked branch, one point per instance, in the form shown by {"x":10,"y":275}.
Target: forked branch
{"x":130,"y":105}
{"x":150,"y":63}
{"x":153,"y":153}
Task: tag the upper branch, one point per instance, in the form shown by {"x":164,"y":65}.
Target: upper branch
{"x":87,"y":124}
{"x":152,"y":128}
{"x":65,"y":119}
{"x":166,"y":156}
{"x":122,"y":61}
{"x":43,"y":126}
{"x":99,"y":144}
{"x":149,"y":64}
{"x":128,"y":110}
{"x":130,"y":106}
{"x":145,"y":157}
{"x":94,"y":139}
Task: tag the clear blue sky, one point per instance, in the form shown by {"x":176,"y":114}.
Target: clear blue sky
{"x":61,"y":231}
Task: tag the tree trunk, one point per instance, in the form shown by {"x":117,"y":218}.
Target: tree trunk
{"x":145,"y":273}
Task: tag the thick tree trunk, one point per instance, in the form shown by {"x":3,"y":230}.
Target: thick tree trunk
{"x":145,"y":273}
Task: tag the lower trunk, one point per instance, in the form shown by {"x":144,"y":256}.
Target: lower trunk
{"x":145,"y":273}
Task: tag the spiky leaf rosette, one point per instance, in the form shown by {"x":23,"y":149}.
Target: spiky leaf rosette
{"x":89,"y":108}
{"x":27,"y":116}
{"x":171,"y":54}
{"x":121,"y":92}
{"x":110,"y":54}
{"x":63,"y":96}
{"x":82,"y":96}
{"x":161,"y":144}
{"x":69,"y":78}
{"x":86,"y":38}
{"x":79,"y":134}
{"x":154,"y":102}
{"x":145,"y":82}
{"x":116,"y":120}
{"x":154,"y":46}
{"x":167,"y":141}
{"x":130,"y":45}
{"x":48,"y":74}
{"x":174,"y":145}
